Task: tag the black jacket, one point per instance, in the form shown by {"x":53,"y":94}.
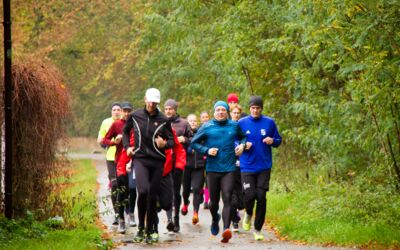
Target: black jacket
{"x":182,"y":128}
{"x":146,"y":128}
{"x":194,"y":159}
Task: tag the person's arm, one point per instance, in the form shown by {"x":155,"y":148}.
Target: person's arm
{"x":110,"y":135}
{"x":126,"y":131}
{"x":277,"y":137}
{"x":180,"y":153}
{"x":196,"y":141}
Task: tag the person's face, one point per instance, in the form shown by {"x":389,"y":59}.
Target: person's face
{"x":125,"y":113}
{"x":235,"y":114}
{"x":169,"y":111}
{"x":220,"y":113}
{"x":151,"y":106}
{"x":255,"y":111}
{"x":192,"y":120}
{"x":116,"y":112}
{"x":204,"y":118}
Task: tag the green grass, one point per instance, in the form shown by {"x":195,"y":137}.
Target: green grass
{"x":80,"y":213}
{"x":331,"y":214}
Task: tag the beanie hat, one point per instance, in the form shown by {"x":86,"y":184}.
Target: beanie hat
{"x":115,"y":104}
{"x":221,"y":103}
{"x":171,"y":103}
{"x":256,"y":101}
{"x":232,"y":97}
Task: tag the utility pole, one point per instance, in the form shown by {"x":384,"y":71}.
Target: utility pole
{"x":8,"y":90}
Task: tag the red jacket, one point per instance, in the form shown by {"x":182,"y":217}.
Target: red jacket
{"x":178,"y":151}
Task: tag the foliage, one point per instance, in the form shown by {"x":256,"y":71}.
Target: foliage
{"x":73,"y":228}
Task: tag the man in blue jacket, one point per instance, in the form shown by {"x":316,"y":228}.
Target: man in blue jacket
{"x":256,"y":162}
{"x":216,"y":139}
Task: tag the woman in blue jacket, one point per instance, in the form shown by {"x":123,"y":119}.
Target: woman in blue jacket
{"x":216,"y":139}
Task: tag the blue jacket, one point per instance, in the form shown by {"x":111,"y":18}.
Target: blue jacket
{"x":259,"y":156}
{"x":221,"y":135}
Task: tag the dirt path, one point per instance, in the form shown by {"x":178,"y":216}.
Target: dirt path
{"x":190,"y":237}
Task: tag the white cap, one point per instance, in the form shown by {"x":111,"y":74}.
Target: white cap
{"x":153,"y":95}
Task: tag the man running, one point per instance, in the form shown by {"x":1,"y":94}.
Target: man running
{"x":184,"y":133}
{"x":153,"y":134}
{"x":256,"y":162}
{"x":216,"y":138}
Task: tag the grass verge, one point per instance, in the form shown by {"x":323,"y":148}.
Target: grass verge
{"x":79,"y":230}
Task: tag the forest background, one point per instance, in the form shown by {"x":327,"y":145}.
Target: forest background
{"x":328,"y":72}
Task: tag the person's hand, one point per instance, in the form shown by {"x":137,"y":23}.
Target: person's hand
{"x":248,"y":145}
{"x":239,"y":149}
{"x":213,"y":151}
{"x":129,"y":151}
{"x":160,"y":142}
{"x":181,"y":139}
{"x":118,"y":139}
{"x":268,"y":140}
{"x":128,"y":167}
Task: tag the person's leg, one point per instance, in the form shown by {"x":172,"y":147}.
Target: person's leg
{"x":249,"y":189}
{"x":227,"y":183}
{"x":142,"y":184}
{"x":122,"y":194}
{"x":156,"y":168}
{"x":197,"y":178}
{"x":165,"y":196}
{"x":186,"y":183}
{"x":177,"y":174}
{"x":132,"y":197}
{"x":112,"y":177}
{"x":262,"y":187}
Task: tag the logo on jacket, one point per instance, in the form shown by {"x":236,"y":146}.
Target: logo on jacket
{"x":248,"y":132}
{"x":263,"y":132}
{"x":155,"y":124}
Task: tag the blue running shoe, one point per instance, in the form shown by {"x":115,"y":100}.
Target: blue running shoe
{"x":215,"y":225}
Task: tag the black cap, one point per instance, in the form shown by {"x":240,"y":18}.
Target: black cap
{"x":256,"y":101}
{"x":126,"y":105}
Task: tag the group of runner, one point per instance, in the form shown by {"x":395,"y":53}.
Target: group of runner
{"x":232,"y":152}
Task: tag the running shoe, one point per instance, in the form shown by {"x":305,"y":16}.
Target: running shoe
{"x":215,"y":225}
{"x":132,"y":222}
{"x":246,"y":222}
{"x":154,"y":237}
{"x":258,"y":235}
{"x":206,"y":206}
{"x":121,"y":227}
{"x":139,"y":236}
{"x":195,"y":218}
{"x":116,"y":221}
{"x":226,"y":235}
{"x":148,"y":239}
{"x":170,"y":225}
{"x":184,"y":209}
{"x":176,"y":224}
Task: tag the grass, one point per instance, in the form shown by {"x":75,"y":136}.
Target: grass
{"x":330,"y":214}
{"x":80,"y":212}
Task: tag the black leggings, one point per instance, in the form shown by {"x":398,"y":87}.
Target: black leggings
{"x":112,"y":177}
{"x":132,"y":192}
{"x":193,"y":178}
{"x":255,"y":186}
{"x":217,"y":183}
{"x":148,"y":176}
{"x":237,"y":202}
{"x":122,"y":195}
{"x":177,"y":182}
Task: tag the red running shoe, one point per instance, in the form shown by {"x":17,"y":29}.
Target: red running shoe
{"x":226,"y":235}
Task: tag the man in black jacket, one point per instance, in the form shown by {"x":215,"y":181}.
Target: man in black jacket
{"x":184,"y":133}
{"x":153,"y":134}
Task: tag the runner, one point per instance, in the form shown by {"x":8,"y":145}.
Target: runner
{"x":115,"y":131}
{"x":153,"y":134}
{"x":256,"y":163}
{"x":110,"y":155}
{"x":193,"y":176}
{"x":220,"y":164}
{"x":184,"y":133}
